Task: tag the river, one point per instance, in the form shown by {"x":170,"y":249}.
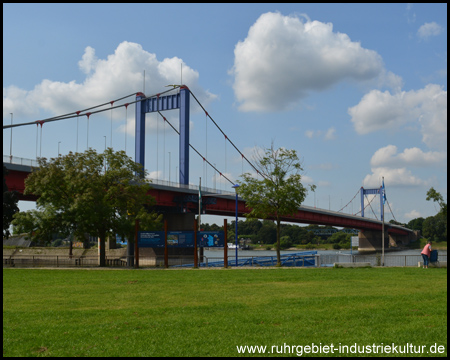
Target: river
{"x":248,"y":253}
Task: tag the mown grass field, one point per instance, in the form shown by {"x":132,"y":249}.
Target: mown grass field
{"x":211,"y":312}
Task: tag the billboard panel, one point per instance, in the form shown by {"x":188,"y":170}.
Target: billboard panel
{"x":181,"y":239}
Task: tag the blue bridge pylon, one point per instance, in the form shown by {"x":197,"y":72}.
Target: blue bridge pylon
{"x":162,"y":103}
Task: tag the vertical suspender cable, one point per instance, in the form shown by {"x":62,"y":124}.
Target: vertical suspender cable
{"x":164,"y":149}
{"x":78,"y":118}
{"x":87,"y":134}
{"x":40,"y":149}
{"x":37,"y":133}
{"x":157,"y":146}
{"x":76,"y":147}
{"x":87,"y":138}
{"x":126,"y":126}
{"x":112,"y":102}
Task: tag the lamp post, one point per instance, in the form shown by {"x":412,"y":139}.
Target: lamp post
{"x":59,"y":142}
{"x":235,"y":186}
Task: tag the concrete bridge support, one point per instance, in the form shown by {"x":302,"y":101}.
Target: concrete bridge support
{"x":370,"y":240}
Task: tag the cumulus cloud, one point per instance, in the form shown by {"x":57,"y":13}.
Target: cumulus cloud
{"x":394,"y":167}
{"x":429,"y":29}
{"x":388,"y":157}
{"x":88,"y":61}
{"x":394,"y":177}
{"x":284,"y":58}
{"x":385,"y":111}
{"x":120,"y":74}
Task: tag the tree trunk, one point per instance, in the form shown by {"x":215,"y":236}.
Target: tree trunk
{"x":102,"y":251}
{"x":130,"y":251}
{"x":278,"y":241}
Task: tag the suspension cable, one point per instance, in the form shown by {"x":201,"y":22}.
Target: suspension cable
{"x":349,"y":201}
{"x":193,"y":148}
{"x":226,"y":138}
{"x":391,"y":210}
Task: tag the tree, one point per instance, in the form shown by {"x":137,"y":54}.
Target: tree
{"x":416,"y":224}
{"x":279,"y":193}
{"x":37,"y":224}
{"x":97,"y":194}
{"x":437,"y":227}
{"x":10,"y":207}
{"x":432,"y":194}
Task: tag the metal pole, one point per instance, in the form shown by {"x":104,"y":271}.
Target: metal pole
{"x":382,"y":240}
{"x":236,"y":229}
{"x":199,"y":202}
{"x":225,"y":245}
{"x":166,"y":254}
{"x":136,"y":245}
{"x":195,"y":246}
{"x":382,"y":227}
{"x":10,"y":143}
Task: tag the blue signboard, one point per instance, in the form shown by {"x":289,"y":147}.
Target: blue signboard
{"x":181,"y":239}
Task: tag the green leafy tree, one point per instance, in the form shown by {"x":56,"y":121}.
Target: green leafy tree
{"x":432,"y":194}
{"x":39,"y":225}
{"x":268,"y":233}
{"x":416,"y":224}
{"x":10,"y":207}
{"x":436,"y":228}
{"x":280,"y":192}
{"x":97,"y":194}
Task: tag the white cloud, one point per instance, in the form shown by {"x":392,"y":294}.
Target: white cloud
{"x":330,"y":134}
{"x":414,"y":214}
{"x":388,"y":157}
{"x":394,"y":177}
{"x":282,"y":59}
{"x":385,"y":111}
{"x":429,"y":29}
{"x":411,"y":16}
{"x":309,"y":134}
{"x":394,"y":166}
{"x":121,"y":73}
{"x":88,"y":61}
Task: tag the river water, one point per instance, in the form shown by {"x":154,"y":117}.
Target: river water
{"x":218,"y":254}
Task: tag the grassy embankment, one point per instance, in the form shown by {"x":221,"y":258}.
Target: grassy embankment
{"x":211,"y":312}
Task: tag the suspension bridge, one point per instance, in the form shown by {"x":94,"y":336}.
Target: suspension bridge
{"x":179,"y":200}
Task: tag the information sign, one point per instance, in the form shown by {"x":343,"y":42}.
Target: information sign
{"x":181,"y":239}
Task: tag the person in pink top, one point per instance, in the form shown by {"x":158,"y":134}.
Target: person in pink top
{"x":426,"y":252}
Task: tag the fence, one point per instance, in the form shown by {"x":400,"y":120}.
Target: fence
{"x":311,"y":259}
{"x":375,"y":259}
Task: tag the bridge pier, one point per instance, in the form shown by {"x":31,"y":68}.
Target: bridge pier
{"x":370,"y":240}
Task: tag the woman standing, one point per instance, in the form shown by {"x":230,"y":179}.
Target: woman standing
{"x":426,"y":252}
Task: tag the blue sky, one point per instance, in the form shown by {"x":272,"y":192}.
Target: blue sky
{"x":358,"y":90}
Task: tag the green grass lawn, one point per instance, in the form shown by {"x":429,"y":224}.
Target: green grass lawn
{"x":211,"y":312}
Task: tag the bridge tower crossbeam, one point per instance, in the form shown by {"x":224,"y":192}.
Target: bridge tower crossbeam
{"x":162,"y":103}
{"x":376,"y":191}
